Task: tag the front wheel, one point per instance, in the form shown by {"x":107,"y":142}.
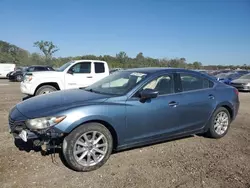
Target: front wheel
{"x":88,"y":147}
{"x":220,"y":123}
{"x":45,"y":90}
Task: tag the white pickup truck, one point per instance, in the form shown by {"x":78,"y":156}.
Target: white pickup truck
{"x":74,"y":74}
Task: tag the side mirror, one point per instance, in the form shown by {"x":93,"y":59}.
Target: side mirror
{"x":148,"y":94}
{"x":70,"y":71}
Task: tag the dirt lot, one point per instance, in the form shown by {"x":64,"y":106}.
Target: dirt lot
{"x":189,"y":162}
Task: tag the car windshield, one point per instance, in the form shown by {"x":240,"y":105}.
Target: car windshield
{"x":243,"y":72}
{"x":246,"y":76}
{"x":24,"y":69}
{"x":30,"y":69}
{"x":64,"y":66}
{"x":118,"y":83}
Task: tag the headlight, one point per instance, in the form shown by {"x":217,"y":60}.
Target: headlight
{"x":248,"y":84}
{"x":45,"y":122}
{"x":27,"y":78}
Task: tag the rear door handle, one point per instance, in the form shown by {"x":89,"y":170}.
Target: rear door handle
{"x":173,"y":104}
{"x":211,"y":96}
{"x":89,"y":77}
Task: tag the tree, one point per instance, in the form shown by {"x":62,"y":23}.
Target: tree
{"x":140,"y":56}
{"x":197,"y":65}
{"x":183,"y":59}
{"x":122,"y":58}
{"x":12,"y":53}
{"x":47,"y":47}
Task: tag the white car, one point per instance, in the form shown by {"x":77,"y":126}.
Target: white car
{"x":71,"y":75}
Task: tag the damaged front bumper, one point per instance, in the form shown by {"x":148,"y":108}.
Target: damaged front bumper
{"x":28,"y":140}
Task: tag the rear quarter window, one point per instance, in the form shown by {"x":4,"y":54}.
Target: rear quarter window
{"x":99,"y":67}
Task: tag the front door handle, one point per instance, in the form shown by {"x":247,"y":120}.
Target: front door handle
{"x":210,"y":96}
{"x":89,"y":77}
{"x":173,"y":104}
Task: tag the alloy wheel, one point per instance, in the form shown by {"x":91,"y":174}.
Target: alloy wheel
{"x":90,"y":148}
{"x":221,"y":123}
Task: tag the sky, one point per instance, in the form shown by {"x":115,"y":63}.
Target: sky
{"x":209,"y":31}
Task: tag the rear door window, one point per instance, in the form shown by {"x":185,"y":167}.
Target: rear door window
{"x":99,"y":67}
{"x":190,"y":82}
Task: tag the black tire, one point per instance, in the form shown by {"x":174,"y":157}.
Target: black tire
{"x":70,"y":140}
{"x":45,"y":88}
{"x":19,"y":78}
{"x":211,"y":130}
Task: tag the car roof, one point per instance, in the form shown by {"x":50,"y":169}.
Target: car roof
{"x":88,"y":60}
{"x":157,"y":70}
{"x":151,"y":70}
{"x":39,"y":66}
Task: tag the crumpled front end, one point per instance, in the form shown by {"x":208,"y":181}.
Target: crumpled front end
{"x":28,"y":140}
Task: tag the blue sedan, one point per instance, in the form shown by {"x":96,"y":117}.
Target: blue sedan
{"x":227,"y":78}
{"x":128,"y":108}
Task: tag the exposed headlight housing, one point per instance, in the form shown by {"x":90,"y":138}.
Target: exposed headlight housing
{"x":28,"y":78}
{"x":43,"y":123}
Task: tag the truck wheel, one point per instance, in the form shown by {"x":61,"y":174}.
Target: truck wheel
{"x":19,"y":78}
{"x":45,"y":90}
{"x":88,"y":147}
{"x":219,"y":124}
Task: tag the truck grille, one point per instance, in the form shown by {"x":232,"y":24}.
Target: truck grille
{"x":238,"y":84}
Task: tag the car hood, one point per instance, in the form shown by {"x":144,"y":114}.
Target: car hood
{"x":48,"y":104}
{"x":15,"y":72}
{"x":243,"y":81}
{"x":46,"y":73}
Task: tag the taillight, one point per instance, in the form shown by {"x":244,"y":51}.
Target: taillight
{"x":236,"y":91}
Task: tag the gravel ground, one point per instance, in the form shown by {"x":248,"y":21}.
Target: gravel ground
{"x":190,"y":162}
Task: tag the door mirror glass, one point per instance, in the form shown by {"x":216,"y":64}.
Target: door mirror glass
{"x":70,"y":71}
{"x":148,"y":94}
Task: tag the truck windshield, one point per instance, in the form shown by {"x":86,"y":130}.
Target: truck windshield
{"x":246,"y":76}
{"x":64,"y":66}
{"x":118,"y":83}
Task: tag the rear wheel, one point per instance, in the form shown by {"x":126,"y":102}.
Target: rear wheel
{"x":88,"y":147}
{"x":45,"y":90}
{"x":220,"y":123}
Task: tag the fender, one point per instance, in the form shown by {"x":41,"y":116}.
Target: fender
{"x":81,"y":121}
{"x":49,"y":80}
{"x":225,"y":103}
{"x":42,"y":79}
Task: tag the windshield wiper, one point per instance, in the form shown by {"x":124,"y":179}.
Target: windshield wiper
{"x":90,"y":90}
{"x":83,"y":88}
